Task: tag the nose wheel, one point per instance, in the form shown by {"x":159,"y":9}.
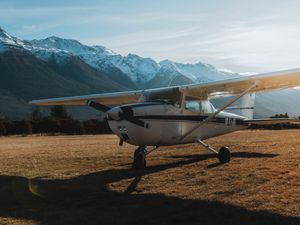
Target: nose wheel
{"x":139,"y":158}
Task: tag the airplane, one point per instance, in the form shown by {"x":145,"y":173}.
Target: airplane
{"x":182,"y":114}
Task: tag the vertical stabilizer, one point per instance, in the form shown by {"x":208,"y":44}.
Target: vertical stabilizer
{"x":247,"y":106}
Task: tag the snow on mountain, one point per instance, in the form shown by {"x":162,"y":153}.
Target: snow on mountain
{"x":248,"y":73}
{"x":198,"y":72}
{"x":167,"y":76}
{"x":140,"y":70}
{"x":115,"y":72}
{"x":241,"y":73}
{"x":226,"y":70}
{"x":7,"y":41}
{"x":2,"y":38}
{"x":71,"y":46}
{"x":92,"y":55}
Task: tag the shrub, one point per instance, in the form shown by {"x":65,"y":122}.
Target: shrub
{"x":71,"y":127}
{"x":2,"y":129}
{"x":48,"y":125}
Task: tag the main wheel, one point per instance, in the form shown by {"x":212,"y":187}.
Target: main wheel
{"x":139,"y":161}
{"x":224,"y":155}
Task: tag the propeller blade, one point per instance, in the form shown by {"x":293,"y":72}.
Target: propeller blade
{"x":98,"y":106}
{"x":118,"y":113}
{"x":127,"y":114}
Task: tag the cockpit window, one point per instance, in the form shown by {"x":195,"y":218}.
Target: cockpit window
{"x":167,"y":96}
{"x":199,"y":106}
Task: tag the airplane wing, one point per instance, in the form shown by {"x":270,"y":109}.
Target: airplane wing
{"x":117,"y":98}
{"x":263,"y":82}
{"x":271,"y":121}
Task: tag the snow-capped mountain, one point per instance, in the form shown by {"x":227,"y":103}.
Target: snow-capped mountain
{"x":71,"y":46}
{"x":199,"y":72}
{"x":174,"y":78}
{"x":56,"y":67}
{"x":140,"y":70}
{"x":7,"y":41}
{"x":55,"y":45}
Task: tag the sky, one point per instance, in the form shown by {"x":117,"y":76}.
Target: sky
{"x":242,"y":36}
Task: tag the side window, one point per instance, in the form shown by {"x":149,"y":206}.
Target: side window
{"x":207,"y":107}
{"x":199,"y":106}
{"x":194,"y":106}
{"x":177,"y":104}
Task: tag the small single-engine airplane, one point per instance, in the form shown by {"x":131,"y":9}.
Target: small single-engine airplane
{"x":182,"y":114}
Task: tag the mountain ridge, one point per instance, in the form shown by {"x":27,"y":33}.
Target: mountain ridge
{"x":57,"y":67}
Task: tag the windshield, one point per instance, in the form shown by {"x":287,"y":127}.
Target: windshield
{"x":168,"y":96}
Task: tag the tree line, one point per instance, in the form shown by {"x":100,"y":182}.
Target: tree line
{"x":58,"y":122}
{"x":277,"y":126}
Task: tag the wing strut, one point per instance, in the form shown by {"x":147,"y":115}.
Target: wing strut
{"x":208,"y":119}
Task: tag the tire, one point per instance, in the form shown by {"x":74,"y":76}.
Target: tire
{"x":224,"y":155}
{"x":137,"y":151}
{"x":139,"y":161}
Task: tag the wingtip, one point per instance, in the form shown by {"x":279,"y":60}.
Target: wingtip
{"x":32,"y":102}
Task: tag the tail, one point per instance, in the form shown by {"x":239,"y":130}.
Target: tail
{"x":245,"y":107}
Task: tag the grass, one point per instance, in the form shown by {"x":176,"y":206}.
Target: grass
{"x":88,"y":180}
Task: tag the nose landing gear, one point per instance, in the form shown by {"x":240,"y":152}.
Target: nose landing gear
{"x":139,"y":157}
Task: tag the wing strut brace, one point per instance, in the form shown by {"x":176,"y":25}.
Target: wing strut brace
{"x":208,"y":119}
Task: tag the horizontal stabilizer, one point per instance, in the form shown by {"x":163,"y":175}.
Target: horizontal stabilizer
{"x":271,"y":121}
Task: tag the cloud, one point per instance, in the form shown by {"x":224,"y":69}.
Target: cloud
{"x":264,"y":45}
{"x":227,"y":35}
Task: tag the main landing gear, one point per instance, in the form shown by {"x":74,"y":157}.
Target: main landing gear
{"x":223,"y":154}
{"x":139,"y":157}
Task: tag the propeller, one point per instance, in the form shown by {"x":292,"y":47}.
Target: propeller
{"x":127,"y":114}
{"x":117,"y":113}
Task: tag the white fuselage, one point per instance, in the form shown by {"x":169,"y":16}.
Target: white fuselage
{"x":165,"y":124}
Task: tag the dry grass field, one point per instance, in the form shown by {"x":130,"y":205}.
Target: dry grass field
{"x":88,"y":180}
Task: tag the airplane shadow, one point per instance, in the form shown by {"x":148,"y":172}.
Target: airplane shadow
{"x":87,"y":199}
{"x":233,"y":155}
{"x":201,"y":157}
